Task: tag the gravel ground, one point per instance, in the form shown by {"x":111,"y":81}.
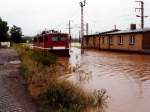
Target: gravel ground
{"x":13,"y":94}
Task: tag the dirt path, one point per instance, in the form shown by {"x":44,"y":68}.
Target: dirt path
{"x":13,"y":95}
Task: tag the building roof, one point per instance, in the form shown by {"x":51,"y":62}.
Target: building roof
{"x":101,"y":33}
{"x":118,"y":32}
{"x":130,"y":31}
{"x":92,"y":35}
{"x":111,"y":31}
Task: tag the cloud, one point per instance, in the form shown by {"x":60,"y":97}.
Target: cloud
{"x":36,"y":15}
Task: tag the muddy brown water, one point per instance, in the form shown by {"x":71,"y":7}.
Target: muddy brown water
{"x":125,"y":76}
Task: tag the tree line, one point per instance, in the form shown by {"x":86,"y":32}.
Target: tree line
{"x":13,"y":34}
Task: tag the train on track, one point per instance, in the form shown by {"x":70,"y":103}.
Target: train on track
{"x":53,"y":41}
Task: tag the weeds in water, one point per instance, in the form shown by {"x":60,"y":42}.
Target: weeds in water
{"x":65,"y":96}
{"x":100,"y":99}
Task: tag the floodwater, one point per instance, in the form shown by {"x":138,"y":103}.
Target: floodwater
{"x":125,"y":76}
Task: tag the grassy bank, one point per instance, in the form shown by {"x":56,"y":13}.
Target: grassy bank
{"x":76,"y":45}
{"x":51,"y":93}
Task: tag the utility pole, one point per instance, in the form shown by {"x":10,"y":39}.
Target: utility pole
{"x":142,"y":13}
{"x":69,"y":27}
{"x":82,"y":4}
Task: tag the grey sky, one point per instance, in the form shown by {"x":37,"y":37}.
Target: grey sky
{"x":36,"y":15}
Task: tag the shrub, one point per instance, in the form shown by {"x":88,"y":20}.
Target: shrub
{"x":100,"y":98}
{"x":24,"y":70}
{"x":44,"y":58}
{"x":64,"y":96}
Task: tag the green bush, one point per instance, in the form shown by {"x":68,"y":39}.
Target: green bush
{"x":24,"y":70}
{"x":64,"y":96}
{"x":44,"y":58}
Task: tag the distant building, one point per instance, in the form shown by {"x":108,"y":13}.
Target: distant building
{"x":4,"y":44}
{"x":94,"y":41}
{"x":128,"y":40}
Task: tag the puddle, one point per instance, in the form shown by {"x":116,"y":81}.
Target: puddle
{"x":16,"y":62}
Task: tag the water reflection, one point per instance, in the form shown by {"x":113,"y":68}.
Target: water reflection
{"x":126,"y":77}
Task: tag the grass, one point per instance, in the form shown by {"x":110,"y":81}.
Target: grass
{"x":51,"y":93}
{"x":44,"y":58}
{"x":65,"y":96}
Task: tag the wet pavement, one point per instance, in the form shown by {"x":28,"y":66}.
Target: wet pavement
{"x":126,"y":77}
{"x":13,"y":93}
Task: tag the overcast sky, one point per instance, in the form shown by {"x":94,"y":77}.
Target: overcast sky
{"x":36,"y":15}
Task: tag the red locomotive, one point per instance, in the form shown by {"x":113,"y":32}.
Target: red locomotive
{"x":53,"y":41}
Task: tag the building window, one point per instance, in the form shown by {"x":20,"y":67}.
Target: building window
{"x":87,"y":41}
{"x":110,"y":40}
{"x":103,"y":40}
{"x":131,"y":40}
{"x":120,"y":40}
{"x":94,"y":39}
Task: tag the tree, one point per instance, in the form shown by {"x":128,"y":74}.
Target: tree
{"x":16,"y":34}
{"x":27,"y":38}
{"x":3,"y":31}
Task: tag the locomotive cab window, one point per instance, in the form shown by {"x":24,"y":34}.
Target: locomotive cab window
{"x":63,"y":39}
{"x":54,"y":39}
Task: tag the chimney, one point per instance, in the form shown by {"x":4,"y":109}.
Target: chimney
{"x":115,"y":27}
{"x":133,"y":27}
